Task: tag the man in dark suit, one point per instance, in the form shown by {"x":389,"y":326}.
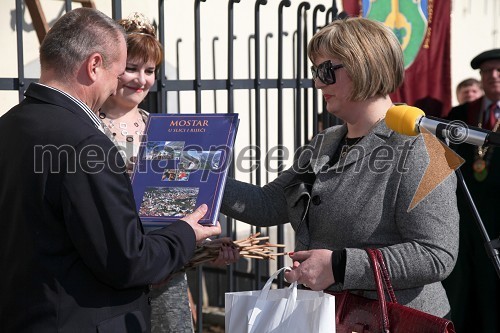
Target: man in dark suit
{"x":74,"y":257}
{"x":474,"y":287}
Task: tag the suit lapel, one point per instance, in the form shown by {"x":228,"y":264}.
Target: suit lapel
{"x":474,"y":109}
{"x":325,"y":145}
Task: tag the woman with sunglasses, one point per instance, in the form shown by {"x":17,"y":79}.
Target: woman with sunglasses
{"x":352,"y":186}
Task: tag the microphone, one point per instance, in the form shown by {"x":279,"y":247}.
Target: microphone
{"x":408,"y":120}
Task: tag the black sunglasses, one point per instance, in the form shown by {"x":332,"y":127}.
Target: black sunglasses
{"x":325,"y":72}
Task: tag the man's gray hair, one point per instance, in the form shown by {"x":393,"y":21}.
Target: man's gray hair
{"x":75,"y":36}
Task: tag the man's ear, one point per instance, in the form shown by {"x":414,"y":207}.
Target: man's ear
{"x":95,"y":63}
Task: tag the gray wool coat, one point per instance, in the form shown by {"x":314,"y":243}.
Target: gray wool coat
{"x":361,"y":202}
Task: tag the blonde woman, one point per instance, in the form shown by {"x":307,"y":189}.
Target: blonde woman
{"x":350,"y":189}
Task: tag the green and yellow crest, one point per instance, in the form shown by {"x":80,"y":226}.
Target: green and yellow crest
{"x":407,"y":18}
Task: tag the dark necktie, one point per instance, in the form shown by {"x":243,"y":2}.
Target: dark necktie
{"x":492,"y":118}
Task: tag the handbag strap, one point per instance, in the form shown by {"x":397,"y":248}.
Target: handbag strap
{"x":384,"y":317}
{"x":380,"y":269}
{"x":385,"y":276}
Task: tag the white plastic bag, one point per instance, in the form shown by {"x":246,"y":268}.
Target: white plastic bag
{"x":286,"y":310}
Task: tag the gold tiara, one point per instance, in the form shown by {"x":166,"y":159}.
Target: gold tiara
{"x":137,"y":23}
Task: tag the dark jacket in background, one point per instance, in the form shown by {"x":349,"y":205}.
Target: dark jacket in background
{"x":473,"y":287}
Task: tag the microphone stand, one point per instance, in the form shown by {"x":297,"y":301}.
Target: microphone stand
{"x":492,"y":246}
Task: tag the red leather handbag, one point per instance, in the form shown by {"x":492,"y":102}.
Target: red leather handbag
{"x":359,"y":314}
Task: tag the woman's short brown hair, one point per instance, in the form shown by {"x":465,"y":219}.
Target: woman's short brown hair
{"x":142,"y":43}
{"x":369,"y":51}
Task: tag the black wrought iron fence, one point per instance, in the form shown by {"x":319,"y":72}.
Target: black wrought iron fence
{"x":306,"y":112}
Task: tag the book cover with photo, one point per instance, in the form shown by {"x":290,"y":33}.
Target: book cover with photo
{"x":182,"y":163}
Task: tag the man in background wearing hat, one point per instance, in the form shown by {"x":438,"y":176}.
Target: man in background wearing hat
{"x":474,"y":287}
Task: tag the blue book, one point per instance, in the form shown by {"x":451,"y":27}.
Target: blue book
{"x":182,"y":163}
